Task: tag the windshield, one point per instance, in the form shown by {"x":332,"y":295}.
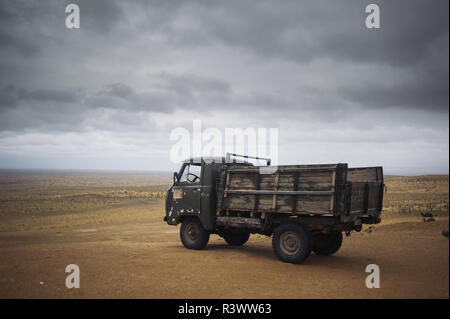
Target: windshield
{"x":191,"y":173}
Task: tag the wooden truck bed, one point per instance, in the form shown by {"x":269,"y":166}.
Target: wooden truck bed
{"x":365,"y":188}
{"x":331,"y":189}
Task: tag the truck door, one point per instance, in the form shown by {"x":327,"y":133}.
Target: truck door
{"x":187,"y":191}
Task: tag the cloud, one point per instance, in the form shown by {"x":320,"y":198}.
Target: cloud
{"x":121,"y":96}
{"x":74,"y":108}
{"x":135,"y":70}
{"x":308,"y":30}
{"x":11,"y":95}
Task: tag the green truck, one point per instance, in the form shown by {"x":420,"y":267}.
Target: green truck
{"x":303,"y":207}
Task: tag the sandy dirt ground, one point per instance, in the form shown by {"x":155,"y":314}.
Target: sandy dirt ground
{"x":145,"y":259}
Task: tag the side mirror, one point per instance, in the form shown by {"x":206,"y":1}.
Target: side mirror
{"x":175,"y":177}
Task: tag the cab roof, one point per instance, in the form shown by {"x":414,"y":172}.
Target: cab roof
{"x":215,"y":159}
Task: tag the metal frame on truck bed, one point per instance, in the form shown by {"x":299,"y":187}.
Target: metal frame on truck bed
{"x":304,"y":207}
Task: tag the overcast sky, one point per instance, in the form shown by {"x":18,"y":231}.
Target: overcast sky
{"x":107,"y":95}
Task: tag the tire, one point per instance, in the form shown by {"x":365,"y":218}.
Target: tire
{"x":291,"y":243}
{"x":327,"y":244}
{"x":236,"y":239}
{"x":193,"y":235}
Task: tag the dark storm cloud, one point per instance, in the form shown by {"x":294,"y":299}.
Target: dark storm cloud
{"x":411,"y":33}
{"x":171,"y":92}
{"x":50,"y":95}
{"x":11,"y":96}
{"x":45,"y":109}
{"x":8,"y":97}
{"x":297,"y":31}
{"x":424,"y":86}
{"x":415,"y":94}
{"x":21,"y":45}
{"x":42,"y":117}
{"x":192,"y":83}
{"x":122,"y":96}
{"x":68,"y":108}
{"x":306,"y":30}
{"x":310,"y":68}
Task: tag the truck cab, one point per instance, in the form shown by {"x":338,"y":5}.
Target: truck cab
{"x":194,"y":190}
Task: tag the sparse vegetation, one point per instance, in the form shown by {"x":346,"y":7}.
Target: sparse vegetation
{"x":35,"y":199}
{"x":50,"y":219}
{"x":416,"y":196}
{"x":31,"y":197}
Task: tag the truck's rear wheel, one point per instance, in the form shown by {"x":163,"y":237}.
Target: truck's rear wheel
{"x":327,"y":244}
{"x":193,"y":235}
{"x":291,"y":243}
{"x":235,"y":238}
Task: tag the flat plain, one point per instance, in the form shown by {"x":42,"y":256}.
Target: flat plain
{"x":110,"y":224}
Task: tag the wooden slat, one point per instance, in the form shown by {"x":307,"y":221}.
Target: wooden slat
{"x":333,"y":182}
{"x":274,"y":199}
{"x":238,"y":220}
{"x":258,"y":181}
{"x":279,"y":192}
{"x":291,"y":189}
{"x":294,"y":169}
{"x":227,"y":183}
{"x":294,"y":199}
{"x":364,"y":174}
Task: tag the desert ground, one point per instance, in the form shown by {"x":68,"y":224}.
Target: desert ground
{"x":111,"y":226}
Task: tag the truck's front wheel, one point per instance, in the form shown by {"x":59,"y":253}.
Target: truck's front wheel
{"x":193,"y":235}
{"x":291,"y":243}
{"x":235,"y":239}
{"x":327,"y":244}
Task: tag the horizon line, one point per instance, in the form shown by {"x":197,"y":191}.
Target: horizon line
{"x":115,"y":170}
